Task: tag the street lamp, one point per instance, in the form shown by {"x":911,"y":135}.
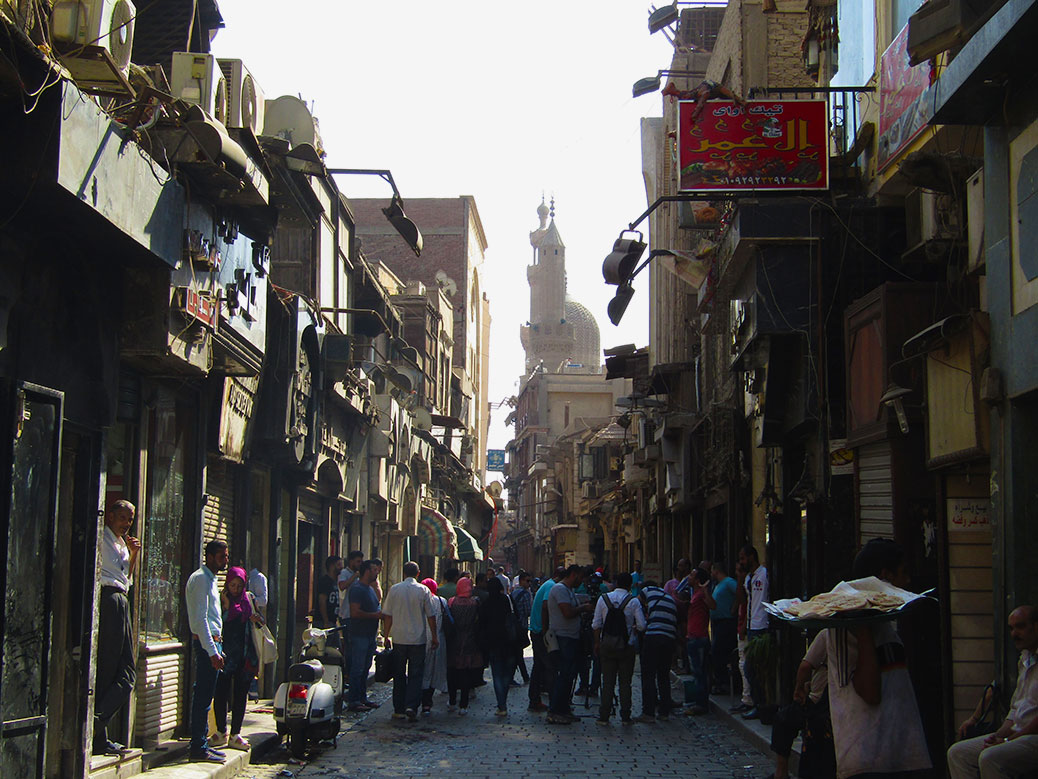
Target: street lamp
{"x":394,"y":211}
{"x":644,"y":86}
{"x":625,"y":291}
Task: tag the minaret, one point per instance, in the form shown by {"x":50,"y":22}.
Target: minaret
{"x":547,"y":338}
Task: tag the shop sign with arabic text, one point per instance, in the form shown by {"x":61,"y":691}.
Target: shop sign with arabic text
{"x":905,"y":100}
{"x":768,"y":145}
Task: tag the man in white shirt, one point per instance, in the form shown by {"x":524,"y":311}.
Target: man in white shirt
{"x":756,"y":617}
{"x":205,"y":618}
{"x":1013,"y":748}
{"x":116,"y":667}
{"x":615,"y":649}
{"x":408,"y":614}
{"x":260,"y":592}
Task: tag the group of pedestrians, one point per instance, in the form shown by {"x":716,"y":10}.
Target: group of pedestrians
{"x":221,"y":623}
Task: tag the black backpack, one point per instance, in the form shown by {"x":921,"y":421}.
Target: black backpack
{"x":615,"y":637}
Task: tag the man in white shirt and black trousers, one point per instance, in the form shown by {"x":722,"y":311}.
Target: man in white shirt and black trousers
{"x":408,"y":614}
{"x":116,"y":667}
{"x":617,"y":651}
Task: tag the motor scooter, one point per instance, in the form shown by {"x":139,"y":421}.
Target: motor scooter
{"x":308,"y":706}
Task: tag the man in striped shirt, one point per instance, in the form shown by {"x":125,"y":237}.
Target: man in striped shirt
{"x":661,"y":620}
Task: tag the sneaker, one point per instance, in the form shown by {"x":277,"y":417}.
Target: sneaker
{"x":206,"y":756}
{"x":237,"y":742}
{"x":751,"y":714}
{"x":462,"y":712}
{"x":426,"y":711}
{"x":358,"y":708}
{"x":646,"y":719}
{"x":514,"y":683}
{"x":217,"y":739}
{"x":559,"y":719}
{"x":397,"y":715}
{"x":537,"y":707}
{"x":601,"y":721}
{"x":501,"y":713}
{"x":219,"y":753}
{"x":738,"y":708}
{"x":371,"y":704}
{"x":411,"y":715}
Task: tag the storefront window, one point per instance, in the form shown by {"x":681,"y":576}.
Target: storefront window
{"x":160,"y":574}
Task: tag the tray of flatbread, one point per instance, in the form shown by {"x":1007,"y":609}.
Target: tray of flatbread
{"x":846,"y":605}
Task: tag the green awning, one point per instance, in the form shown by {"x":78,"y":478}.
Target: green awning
{"x":468,"y":546}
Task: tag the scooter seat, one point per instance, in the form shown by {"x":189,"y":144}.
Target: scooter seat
{"x":310,"y":671}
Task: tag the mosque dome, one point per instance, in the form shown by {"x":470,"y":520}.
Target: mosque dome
{"x":587,"y":347}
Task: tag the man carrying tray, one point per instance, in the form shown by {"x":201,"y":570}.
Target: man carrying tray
{"x":876,"y":724}
{"x":1013,"y":748}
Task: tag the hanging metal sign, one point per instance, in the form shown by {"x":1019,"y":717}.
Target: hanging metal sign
{"x":766,"y":145}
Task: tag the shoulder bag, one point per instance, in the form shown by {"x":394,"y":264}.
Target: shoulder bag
{"x":262,"y":638}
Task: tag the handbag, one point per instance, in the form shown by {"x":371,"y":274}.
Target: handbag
{"x":263,"y":639}
{"x":384,"y":665}
{"x":988,"y":721}
{"x":522,"y":635}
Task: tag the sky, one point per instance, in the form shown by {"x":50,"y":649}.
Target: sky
{"x":501,"y":101}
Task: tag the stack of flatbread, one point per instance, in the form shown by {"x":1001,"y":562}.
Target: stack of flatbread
{"x":827,"y":604}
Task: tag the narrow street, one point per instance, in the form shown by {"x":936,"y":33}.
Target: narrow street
{"x":523,"y":745}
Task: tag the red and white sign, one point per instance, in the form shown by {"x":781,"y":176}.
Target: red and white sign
{"x":201,"y":308}
{"x":770,"y":145}
{"x":905,"y":100}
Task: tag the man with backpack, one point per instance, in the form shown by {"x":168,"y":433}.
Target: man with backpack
{"x":617,"y":621}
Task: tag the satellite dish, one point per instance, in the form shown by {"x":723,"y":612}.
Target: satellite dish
{"x":446,"y":283}
{"x":288,"y":117}
{"x":494,"y":488}
{"x":422,"y":419}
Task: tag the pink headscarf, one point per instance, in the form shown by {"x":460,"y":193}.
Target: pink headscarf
{"x":431,"y":584}
{"x":238,"y":608}
{"x":464,"y":588}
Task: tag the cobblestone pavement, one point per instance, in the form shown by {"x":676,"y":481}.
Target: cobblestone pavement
{"x":522,"y":745}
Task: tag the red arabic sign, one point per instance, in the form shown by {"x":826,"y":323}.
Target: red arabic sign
{"x":905,"y":99}
{"x":769,"y":145}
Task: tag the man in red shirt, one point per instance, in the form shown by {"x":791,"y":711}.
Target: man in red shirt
{"x":698,"y":643}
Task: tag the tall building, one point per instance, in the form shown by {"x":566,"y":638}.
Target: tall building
{"x":562,"y":335}
{"x":564,"y":401}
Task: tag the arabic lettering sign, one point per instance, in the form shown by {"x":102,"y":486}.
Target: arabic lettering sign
{"x":495,"y":459}
{"x":905,"y":100}
{"x":968,"y":514}
{"x":769,"y":145}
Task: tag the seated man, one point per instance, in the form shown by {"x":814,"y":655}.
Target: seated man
{"x":1013,"y":748}
{"x":809,"y":712}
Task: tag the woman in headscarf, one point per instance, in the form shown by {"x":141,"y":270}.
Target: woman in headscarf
{"x":434,"y":675}
{"x":498,"y":637}
{"x":464,"y":657}
{"x":240,"y":660}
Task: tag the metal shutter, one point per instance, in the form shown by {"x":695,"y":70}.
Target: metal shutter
{"x":218,"y":513}
{"x":160,"y":683}
{"x":875,"y":492}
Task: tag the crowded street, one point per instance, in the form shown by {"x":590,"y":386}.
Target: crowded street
{"x":385,"y":392}
{"x":522,"y":746}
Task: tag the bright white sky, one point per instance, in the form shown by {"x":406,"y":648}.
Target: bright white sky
{"x":501,"y":101}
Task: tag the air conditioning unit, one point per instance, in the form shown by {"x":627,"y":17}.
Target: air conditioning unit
{"x":940,"y":25}
{"x":245,"y":101}
{"x":196,"y":79}
{"x":931,"y":217}
{"x":104,"y":23}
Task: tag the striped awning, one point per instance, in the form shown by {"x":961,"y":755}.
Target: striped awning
{"x":436,"y":536}
{"x":468,"y":546}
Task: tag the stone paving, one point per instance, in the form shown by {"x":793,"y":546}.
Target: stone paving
{"x":522,"y":745}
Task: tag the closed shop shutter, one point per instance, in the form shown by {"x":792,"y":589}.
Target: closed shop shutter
{"x":875,"y":492}
{"x":218,"y":513}
{"x":159,"y":703}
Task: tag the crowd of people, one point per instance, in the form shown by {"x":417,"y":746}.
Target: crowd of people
{"x":853,"y":699}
